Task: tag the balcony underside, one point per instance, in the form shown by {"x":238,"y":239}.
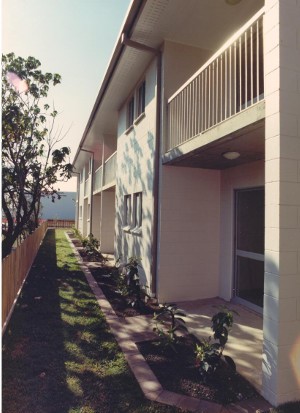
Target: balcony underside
{"x":243,"y":133}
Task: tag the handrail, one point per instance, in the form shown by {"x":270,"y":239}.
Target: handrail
{"x":230,"y":81}
{"x":225,"y":46}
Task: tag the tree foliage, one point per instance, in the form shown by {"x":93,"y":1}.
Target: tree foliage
{"x":31,"y":165}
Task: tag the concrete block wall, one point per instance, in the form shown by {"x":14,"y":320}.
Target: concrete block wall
{"x":96,"y":216}
{"x":281,"y":358}
{"x":135,"y":171}
{"x":189,"y":246}
{"x":107,"y":223}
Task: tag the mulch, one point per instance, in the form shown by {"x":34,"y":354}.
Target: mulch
{"x":176,"y":371}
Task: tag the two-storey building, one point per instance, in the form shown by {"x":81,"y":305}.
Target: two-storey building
{"x":191,"y":157}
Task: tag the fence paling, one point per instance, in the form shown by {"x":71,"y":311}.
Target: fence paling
{"x":61,"y":223}
{"x":15,"y":268}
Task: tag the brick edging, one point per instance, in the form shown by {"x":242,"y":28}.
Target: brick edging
{"x":145,"y":377}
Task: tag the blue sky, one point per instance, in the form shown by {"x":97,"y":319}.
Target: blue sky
{"x":74,"y":38}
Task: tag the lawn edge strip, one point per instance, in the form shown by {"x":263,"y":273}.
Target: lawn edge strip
{"x":144,"y":375}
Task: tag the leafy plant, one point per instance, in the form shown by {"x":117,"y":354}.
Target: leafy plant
{"x":208,"y":354}
{"x":129,"y":285}
{"x":91,"y":247}
{"x":31,"y":164}
{"x":170,"y":317}
{"x":77,"y":233}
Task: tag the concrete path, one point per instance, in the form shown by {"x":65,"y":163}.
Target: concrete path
{"x":132,"y":330}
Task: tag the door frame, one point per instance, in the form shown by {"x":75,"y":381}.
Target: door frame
{"x":240,"y":253}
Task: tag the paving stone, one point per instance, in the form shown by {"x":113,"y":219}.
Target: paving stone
{"x":249,"y":406}
{"x":148,"y":386}
{"x":153,"y":395}
{"x":189,"y":403}
{"x":169,"y":397}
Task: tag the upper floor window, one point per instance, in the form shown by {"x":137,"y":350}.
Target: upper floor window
{"x":136,"y":105}
{"x":141,"y":94}
{"x":130,"y":112}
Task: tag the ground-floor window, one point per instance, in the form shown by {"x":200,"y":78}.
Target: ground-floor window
{"x":133,"y":212}
{"x":137,"y":210}
{"x":127,"y":210}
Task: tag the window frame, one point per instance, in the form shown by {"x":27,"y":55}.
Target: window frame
{"x":141,"y":99}
{"x":137,"y":213}
{"x":130,"y":111}
{"x":127,"y":212}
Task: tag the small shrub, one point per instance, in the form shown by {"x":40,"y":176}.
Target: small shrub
{"x":77,"y":233}
{"x":91,"y":247}
{"x":129,"y":285}
{"x":208,"y":353}
{"x":170,"y":317}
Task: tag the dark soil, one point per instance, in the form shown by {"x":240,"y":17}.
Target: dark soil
{"x":107,"y":284}
{"x":177,"y":372}
{"x":118,"y":302}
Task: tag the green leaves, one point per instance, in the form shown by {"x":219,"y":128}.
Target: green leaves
{"x":208,"y":354}
{"x":170,"y":317}
{"x":31,"y":164}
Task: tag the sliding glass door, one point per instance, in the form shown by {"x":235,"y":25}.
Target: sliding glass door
{"x":249,"y":247}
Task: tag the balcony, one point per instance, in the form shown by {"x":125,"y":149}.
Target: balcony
{"x":98,"y":179}
{"x":110,"y":166}
{"x":105,"y":176}
{"x":228,"y":84}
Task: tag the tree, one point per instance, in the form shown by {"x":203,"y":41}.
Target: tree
{"x":31,"y":166}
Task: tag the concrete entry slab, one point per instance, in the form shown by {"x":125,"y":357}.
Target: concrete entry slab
{"x":245,"y":339}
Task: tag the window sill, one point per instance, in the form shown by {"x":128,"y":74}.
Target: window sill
{"x":136,"y":231}
{"x":139,"y":118}
{"x":129,"y":129}
{"x":127,"y":229}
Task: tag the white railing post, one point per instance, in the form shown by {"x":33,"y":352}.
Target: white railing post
{"x":226,"y":84}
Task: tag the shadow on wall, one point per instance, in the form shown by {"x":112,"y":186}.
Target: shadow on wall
{"x":136,"y":175}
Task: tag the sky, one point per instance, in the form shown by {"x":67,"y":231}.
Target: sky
{"x":74,"y":38}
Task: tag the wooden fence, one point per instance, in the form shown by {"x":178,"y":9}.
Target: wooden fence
{"x":15,"y":268}
{"x":61,"y":223}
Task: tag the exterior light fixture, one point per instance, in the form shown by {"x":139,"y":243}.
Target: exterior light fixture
{"x":231,"y":155}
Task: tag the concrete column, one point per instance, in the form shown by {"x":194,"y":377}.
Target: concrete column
{"x":108,"y":221}
{"x":281,"y":352}
{"x":96,"y":216}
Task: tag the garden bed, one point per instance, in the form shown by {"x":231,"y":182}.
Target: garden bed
{"x":117,"y":301}
{"x":177,"y":372}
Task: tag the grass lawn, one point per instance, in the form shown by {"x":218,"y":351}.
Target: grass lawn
{"x":58,"y":354}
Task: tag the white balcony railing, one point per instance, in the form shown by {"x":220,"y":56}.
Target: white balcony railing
{"x":98,"y":179}
{"x":110,"y":166}
{"x":231,"y":81}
